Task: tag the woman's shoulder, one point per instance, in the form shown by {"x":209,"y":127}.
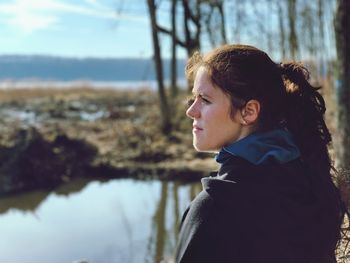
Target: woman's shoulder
{"x":242,"y":171}
{"x":241,"y":180}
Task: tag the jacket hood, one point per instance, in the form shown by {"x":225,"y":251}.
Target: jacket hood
{"x":275,"y":146}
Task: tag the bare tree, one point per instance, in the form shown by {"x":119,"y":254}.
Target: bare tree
{"x":321,"y":38}
{"x":261,"y":21}
{"x":293,"y":39}
{"x":342,"y":31}
{"x":270,"y":38}
{"x":321,"y":26}
{"x":164,"y":108}
{"x":213,"y":18}
{"x":174,"y":88}
{"x":192,"y":15}
{"x":240,"y":19}
{"x":191,"y":27}
{"x":282,"y":30}
{"x":220,"y":8}
{"x":308,"y":23}
{"x":191,"y":30}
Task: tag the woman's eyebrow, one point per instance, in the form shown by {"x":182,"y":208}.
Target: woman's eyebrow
{"x":201,"y":94}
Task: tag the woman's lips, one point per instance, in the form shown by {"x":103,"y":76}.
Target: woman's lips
{"x":196,"y":128}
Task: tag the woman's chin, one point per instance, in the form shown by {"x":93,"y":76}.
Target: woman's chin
{"x":203,"y":148}
{"x":198,"y":147}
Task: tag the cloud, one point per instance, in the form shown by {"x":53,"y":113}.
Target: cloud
{"x":93,"y":2}
{"x":28,"y":22}
{"x":32,"y":15}
{"x":21,"y":15}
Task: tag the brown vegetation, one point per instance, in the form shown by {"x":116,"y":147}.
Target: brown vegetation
{"x":123,"y":126}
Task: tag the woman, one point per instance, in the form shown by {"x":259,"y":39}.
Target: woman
{"x":273,"y":199}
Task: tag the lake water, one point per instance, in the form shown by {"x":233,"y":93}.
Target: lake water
{"x":119,"y":220}
{"x":118,"y":85}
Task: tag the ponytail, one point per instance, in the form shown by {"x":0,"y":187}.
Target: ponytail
{"x":305,"y":120}
{"x":305,"y":111}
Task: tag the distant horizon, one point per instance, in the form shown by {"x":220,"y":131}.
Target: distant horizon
{"x":57,"y":68}
{"x":81,"y":57}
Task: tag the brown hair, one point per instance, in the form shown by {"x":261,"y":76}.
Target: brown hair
{"x":287,"y":101}
{"x":286,"y":97}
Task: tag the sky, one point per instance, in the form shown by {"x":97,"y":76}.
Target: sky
{"x":75,"y":28}
{"x":81,"y":28}
{"x":96,"y":28}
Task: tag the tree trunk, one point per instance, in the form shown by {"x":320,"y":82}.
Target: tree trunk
{"x":214,"y":19}
{"x":281,"y":29}
{"x":164,"y":108}
{"x":321,"y":39}
{"x":223,"y":22}
{"x":342,"y":31}
{"x":292,"y":16}
{"x":238,"y":18}
{"x":192,"y":40}
{"x":174,"y":88}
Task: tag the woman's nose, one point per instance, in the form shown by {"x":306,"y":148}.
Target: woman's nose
{"x":192,"y":112}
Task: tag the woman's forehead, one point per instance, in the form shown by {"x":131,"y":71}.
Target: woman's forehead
{"x":202,"y":82}
{"x":204,"y":86}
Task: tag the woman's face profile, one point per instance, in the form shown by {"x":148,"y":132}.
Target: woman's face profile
{"x":213,"y":125}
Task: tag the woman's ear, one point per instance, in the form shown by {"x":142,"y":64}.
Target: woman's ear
{"x":250,"y":112}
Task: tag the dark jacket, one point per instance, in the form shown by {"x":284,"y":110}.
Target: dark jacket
{"x":249,"y":213}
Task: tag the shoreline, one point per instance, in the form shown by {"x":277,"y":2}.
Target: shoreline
{"x":50,"y":136}
{"x":130,"y":85}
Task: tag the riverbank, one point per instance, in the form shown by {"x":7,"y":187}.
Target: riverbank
{"x":49,"y":136}
{"x":52,"y":136}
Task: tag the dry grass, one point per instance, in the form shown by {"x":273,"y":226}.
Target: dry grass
{"x":130,"y":132}
{"x":66,"y":93}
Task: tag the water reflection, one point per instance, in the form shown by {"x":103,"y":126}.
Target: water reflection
{"x":24,"y":202}
{"x":176,"y":210}
{"x":113,"y":221}
{"x":160,"y":222}
{"x":29,"y":202}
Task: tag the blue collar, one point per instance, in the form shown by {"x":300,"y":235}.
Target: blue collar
{"x":275,"y":146}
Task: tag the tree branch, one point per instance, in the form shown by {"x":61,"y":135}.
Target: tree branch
{"x":194,"y":18}
{"x":169,"y":32}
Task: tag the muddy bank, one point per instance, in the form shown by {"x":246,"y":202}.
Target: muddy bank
{"x":48,"y":137}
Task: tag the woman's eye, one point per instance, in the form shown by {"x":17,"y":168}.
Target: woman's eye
{"x":205,"y":101}
{"x":192,"y":100}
